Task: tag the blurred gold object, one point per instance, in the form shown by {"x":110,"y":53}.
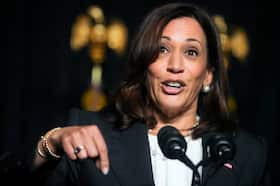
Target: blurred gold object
{"x":97,"y":53}
{"x":225,"y":41}
{"x":96,"y":13}
{"x":232,"y":105}
{"x":98,"y":34}
{"x":117,"y":36}
{"x":240,"y":44}
{"x":80,"y":33}
{"x":220,"y":23}
{"x":93,"y":99}
{"x":96,"y":75}
{"x":90,"y":30}
{"x":234,"y":42}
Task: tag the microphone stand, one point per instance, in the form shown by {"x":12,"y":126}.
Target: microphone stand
{"x":196,"y":178}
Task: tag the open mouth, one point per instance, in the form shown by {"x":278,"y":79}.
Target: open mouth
{"x":172,"y":87}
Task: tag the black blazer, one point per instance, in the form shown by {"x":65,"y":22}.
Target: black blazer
{"x":130,"y":161}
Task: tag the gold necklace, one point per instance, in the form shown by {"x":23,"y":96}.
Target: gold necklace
{"x":189,"y":131}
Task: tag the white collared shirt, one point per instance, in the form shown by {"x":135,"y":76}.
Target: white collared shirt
{"x":168,"y":172}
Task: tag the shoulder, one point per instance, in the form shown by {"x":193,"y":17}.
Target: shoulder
{"x":250,"y":148}
{"x":248,"y":142}
{"x":251,"y":155}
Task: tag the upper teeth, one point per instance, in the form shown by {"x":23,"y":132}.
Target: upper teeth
{"x":174,"y":84}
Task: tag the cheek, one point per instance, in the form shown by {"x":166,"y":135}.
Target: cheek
{"x":197,"y":77}
{"x":151,"y":82}
{"x":154,"y":73}
{"x":197,"y":71}
{"x":155,"y":69}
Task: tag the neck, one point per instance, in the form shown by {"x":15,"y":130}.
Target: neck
{"x":184,"y":123}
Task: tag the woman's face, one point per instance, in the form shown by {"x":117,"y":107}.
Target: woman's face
{"x":176,"y":77}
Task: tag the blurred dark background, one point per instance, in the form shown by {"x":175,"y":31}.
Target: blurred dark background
{"x":41,"y":78}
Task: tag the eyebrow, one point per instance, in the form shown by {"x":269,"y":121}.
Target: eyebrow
{"x":188,"y":39}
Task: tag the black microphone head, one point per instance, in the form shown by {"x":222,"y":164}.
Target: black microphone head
{"x":171,"y":142}
{"x":221,"y":147}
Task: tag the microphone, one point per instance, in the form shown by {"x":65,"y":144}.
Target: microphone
{"x":220,"y":149}
{"x":174,"y":146}
{"x":171,"y":142}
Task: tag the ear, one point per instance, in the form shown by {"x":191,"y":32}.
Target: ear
{"x":209,"y":76}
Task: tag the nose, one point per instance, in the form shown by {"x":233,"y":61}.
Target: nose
{"x":175,"y":64}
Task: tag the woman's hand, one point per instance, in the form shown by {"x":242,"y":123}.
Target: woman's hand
{"x":87,"y":140}
{"x":91,"y":142}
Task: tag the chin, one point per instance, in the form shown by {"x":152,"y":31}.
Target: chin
{"x":170,"y":111}
{"x":171,"y":105}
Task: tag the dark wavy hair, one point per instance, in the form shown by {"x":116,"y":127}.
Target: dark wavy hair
{"x":132,"y":101}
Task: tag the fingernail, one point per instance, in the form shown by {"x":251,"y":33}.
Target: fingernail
{"x":105,"y":170}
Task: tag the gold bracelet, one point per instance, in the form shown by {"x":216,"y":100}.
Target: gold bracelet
{"x":41,"y":154}
{"x":46,"y":145}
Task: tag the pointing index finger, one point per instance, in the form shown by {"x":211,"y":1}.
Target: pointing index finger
{"x":102,"y":150}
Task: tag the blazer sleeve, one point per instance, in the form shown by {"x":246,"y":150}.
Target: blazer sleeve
{"x":76,"y":117}
{"x":62,"y":175}
{"x":263,"y":178}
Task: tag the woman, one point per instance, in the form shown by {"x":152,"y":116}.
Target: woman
{"x":175,"y":77}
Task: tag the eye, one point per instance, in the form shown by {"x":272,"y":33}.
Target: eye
{"x":191,"y":52}
{"x":163,"y":49}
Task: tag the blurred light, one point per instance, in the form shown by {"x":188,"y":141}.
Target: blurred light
{"x":97,"y":53}
{"x":117,"y":36}
{"x":96,"y":13}
{"x":80,"y":32}
{"x":93,"y":99}
{"x":220,"y":23}
{"x":96,"y":75}
{"x":225,"y":41}
{"x":90,"y":31}
{"x":98,"y":34}
{"x":240,"y":44}
{"x":232,"y":105}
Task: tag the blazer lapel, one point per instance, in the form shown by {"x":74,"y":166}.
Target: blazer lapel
{"x":130,"y":156}
{"x":205,"y":169}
